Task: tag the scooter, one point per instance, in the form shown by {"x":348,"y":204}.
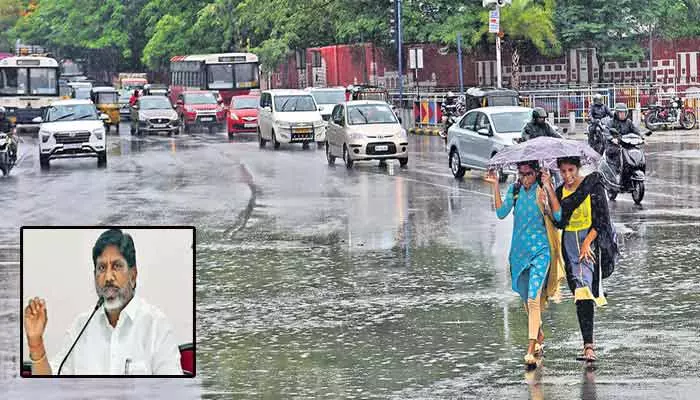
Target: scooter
{"x":7,"y":160}
{"x":626,"y":171}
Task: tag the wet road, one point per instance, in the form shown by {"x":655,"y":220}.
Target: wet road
{"x":322,"y":282}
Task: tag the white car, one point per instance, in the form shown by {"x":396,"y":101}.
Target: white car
{"x":327,"y":99}
{"x":366,"y":130}
{"x":482,"y":132}
{"x":72,"y":129}
{"x":289,"y":116}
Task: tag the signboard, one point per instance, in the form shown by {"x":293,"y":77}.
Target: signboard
{"x":415,"y":58}
{"x":233,"y":59}
{"x":494,"y":21}
{"x":29,"y":62}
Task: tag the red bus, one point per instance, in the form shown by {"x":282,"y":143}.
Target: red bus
{"x":228,"y":74}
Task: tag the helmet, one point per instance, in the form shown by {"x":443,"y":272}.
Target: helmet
{"x":539,"y":112}
{"x":621,"y":109}
{"x":450,"y":94}
{"x":598,"y":98}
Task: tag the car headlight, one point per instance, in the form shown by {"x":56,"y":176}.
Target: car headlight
{"x":357,"y":136}
{"x":403,"y":134}
{"x":45,"y":135}
{"x":99,"y":133}
{"x":284,"y":124}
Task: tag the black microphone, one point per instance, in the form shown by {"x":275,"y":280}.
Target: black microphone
{"x":99,"y":303}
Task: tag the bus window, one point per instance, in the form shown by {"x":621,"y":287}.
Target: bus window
{"x":43,"y":81}
{"x":246,"y":76}
{"x":220,"y":76}
{"x":13,"y":81}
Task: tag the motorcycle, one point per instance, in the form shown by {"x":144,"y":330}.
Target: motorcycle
{"x":671,"y":116}
{"x":626,"y":172}
{"x":7,"y":160}
{"x":450,"y":115}
{"x":596,"y":134}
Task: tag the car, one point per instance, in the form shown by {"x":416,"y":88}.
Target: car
{"x":154,"y":114}
{"x":242,"y":115}
{"x":327,"y":99}
{"x":362,"y":130}
{"x":72,"y":129}
{"x":482,"y":132}
{"x":199,"y":108}
{"x":289,"y":116}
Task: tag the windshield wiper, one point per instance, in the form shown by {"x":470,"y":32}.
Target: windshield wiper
{"x":363,"y":116}
{"x":86,"y":115}
{"x":285,"y":104}
{"x":63,"y":116}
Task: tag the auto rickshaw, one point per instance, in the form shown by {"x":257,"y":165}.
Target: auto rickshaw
{"x":106,"y":99}
{"x":489,"y":96}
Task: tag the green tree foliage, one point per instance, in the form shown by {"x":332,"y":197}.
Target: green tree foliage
{"x":146,"y":33}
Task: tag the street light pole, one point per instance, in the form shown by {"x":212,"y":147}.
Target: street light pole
{"x":498,"y":60}
{"x":399,"y":42}
{"x":459,"y":59}
{"x":495,"y":27}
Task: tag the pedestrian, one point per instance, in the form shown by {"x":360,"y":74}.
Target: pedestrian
{"x":134,"y":97}
{"x":589,"y":243}
{"x":535,"y":256}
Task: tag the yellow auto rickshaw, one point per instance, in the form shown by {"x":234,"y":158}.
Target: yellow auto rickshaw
{"x":106,"y":99}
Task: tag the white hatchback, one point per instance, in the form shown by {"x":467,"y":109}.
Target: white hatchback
{"x":290,"y":116}
{"x":71,"y":129}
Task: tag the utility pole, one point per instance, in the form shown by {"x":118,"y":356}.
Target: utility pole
{"x":395,"y":30}
{"x":459,"y":59}
{"x":494,"y":27}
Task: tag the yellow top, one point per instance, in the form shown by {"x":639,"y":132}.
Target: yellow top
{"x":582,"y":218}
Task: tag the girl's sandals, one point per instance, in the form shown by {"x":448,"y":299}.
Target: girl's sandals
{"x":539,"y":346}
{"x":588,"y":354}
{"x":530,"y":359}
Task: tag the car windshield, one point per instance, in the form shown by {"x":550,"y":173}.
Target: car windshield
{"x":510,"y":121}
{"x":72,"y":112}
{"x":154,"y":103}
{"x":82,"y":93}
{"x":371,"y":114}
{"x":200,"y":98}
{"x":294,"y":103}
{"x":329,"y":96}
{"x":245,"y":103}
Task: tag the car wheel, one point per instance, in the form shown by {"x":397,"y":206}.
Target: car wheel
{"x":102,"y":159}
{"x":230,"y":136}
{"x":403,"y":161}
{"x":188,"y":129}
{"x":212,"y":129}
{"x":117,"y":128}
{"x":319,"y":145}
{"x":107,"y":127}
{"x":261,"y":141}
{"x":456,"y":165}
{"x":330,"y":157}
{"x":346,"y":157}
{"x":305,"y":145}
{"x":132,"y":130}
{"x":43,"y":161}
{"x":275,"y":143}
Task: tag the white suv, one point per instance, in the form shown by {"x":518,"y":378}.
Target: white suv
{"x":290,"y":116}
{"x":70,"y":129}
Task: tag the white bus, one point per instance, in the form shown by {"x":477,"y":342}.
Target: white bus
{"x":28,"y":84}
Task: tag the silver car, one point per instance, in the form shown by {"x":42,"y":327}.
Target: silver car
{"x":481,"y":133}
{"x":154,"y":114}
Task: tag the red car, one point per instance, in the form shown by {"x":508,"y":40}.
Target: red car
{"x":199,"y":108}
{"x":243,"y":114}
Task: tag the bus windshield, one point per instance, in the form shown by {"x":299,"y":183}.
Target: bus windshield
{"x":23,"y":81}
{"x":233,"y":76}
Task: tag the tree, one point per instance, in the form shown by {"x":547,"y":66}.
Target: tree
{"x":524,"y":22}
{"x":10,"y":12}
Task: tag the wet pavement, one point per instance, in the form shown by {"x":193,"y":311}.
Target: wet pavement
{"x":322,"y":282}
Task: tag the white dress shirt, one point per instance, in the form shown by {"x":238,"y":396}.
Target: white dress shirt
{"x":142,"y":343}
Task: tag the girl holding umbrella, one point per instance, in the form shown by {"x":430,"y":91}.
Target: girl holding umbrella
{"x":535,"y":257}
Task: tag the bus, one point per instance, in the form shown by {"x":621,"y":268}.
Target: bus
{"x":28,"y":84}
{"x":228,"y":74}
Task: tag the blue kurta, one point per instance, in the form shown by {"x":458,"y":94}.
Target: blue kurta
{"x":529,"y":252}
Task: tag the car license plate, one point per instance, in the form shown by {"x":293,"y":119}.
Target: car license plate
{"x":206,"y":119}
{"x":381,"y":148}
{"x":250,"y":125}
{"x":159,"y":126}
{"x":70,"y":146}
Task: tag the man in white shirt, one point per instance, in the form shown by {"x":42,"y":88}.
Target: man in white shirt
{"x":126,"y":336}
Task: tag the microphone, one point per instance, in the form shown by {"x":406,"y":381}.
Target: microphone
{"x":99,"y":303}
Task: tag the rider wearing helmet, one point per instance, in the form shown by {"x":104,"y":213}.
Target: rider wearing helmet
{"x":449,"y":105}
{"x":622,"y":122}
{"x":538,"y":126}
{"x":6,"y":127}
{"x":598,"y":110}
